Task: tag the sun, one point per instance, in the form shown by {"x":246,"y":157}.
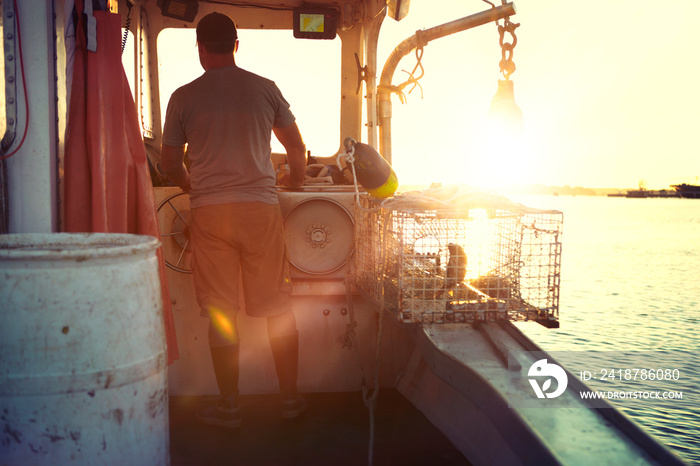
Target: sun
{"x":496,"y":157}
{"x":502,"y":158}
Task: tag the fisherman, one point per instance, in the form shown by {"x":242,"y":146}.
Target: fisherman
{"x":226,"y":118}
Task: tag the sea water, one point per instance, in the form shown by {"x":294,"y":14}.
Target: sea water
{"x":631,"y":282}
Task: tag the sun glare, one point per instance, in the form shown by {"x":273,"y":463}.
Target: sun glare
{"x":502,"y":157}
{"x":479,"y":249}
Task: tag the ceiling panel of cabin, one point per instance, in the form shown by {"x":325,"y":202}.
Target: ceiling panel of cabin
{"x":368,"y":7}
{"x":263,"y":13}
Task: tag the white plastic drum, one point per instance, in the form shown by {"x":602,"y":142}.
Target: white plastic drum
{"x":82,"y":351}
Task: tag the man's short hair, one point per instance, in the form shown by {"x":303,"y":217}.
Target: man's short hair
{"x":217,"y":33}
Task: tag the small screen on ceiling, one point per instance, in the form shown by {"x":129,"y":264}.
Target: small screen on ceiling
{"x":315,"y":23}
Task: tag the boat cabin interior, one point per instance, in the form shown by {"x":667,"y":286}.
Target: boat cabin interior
{"x":397,"y":366}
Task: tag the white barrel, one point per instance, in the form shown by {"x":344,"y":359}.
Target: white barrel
{"x":82,"y":351}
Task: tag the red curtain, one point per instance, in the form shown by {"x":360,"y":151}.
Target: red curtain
{"x":107,"y":182}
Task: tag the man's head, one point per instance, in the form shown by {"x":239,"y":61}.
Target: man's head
{"x":217,"y":34}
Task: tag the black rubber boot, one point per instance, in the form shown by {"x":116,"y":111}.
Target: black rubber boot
{"x":227,"y":412}
{"x":285,"y":351}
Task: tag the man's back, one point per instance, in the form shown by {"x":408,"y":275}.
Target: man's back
{"x":226,"y":117}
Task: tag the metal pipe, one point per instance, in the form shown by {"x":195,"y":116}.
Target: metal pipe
{"x":371,"y":83}
{"x":421,"y":38}
{"x":10,"y":63}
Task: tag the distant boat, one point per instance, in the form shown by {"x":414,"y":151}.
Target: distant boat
{"x":637,"y":193}
{"x":644,"y":193}
{"x":688,"y":191}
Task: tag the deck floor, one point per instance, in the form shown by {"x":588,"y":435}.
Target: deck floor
{"x":334,"y":431}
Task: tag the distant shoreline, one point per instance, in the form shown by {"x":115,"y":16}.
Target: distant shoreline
{"x":542,"y":190}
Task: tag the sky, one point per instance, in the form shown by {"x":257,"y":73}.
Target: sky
{"x":606,"y":88}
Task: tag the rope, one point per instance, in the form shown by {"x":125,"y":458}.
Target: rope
{"x":348,"y":338}
{"x":412,"y":79}
{"x":371,"y":400}
{"x":350,"y":160}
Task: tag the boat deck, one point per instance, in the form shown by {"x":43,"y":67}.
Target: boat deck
{"x":334,"y":431}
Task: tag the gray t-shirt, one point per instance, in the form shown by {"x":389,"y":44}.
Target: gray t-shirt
{"x":226,"y":118}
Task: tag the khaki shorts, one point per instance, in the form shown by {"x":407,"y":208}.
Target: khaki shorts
{"x":240,"y":243}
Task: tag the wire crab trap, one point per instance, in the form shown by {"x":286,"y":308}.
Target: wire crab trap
{"x":454,"y":255}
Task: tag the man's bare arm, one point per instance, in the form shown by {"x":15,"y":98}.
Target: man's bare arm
{"x":173,"y":163}
{"x":291,"y":139}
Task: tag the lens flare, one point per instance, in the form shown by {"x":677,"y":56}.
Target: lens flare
{"x":223,"y":325}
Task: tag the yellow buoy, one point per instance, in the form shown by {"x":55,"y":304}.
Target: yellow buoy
{"x":373,"y":172}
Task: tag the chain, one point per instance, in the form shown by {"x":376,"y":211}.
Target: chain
{"x":506,"y":64}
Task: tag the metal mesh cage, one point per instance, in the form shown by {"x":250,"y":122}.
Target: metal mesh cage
{"x":480,"y":261}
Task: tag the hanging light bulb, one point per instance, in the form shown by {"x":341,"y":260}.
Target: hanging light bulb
{"x":503,"y":159}
{"x":504,"y":111}
{"x":503,"y":148}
